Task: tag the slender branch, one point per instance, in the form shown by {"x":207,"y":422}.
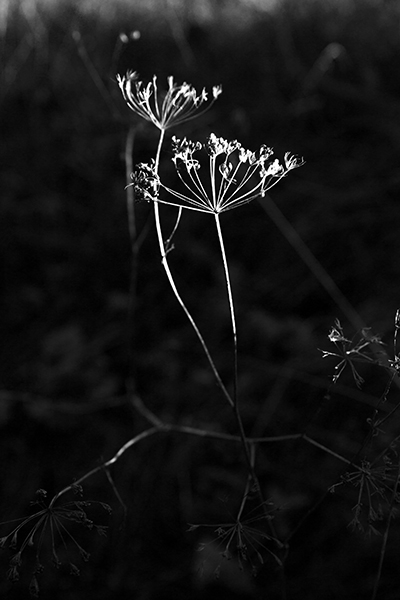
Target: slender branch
{"x":142,"y":409}
{"x":325,"y":449}
{"x":164,"y":260}
{"x":168,"y":243}
{"x":247,"y":488}
{"x":246,"y":445}
{"x":132,"y":442}
{"x":160,"y":427}
{"x":231,"y":307}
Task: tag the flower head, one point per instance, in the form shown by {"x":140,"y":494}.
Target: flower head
{"x":236,"y":176}
{"x":246,"y":538}
{"x":145,"y":181}
{"x":178,"y":104}
{"x":52,"y":520}
{"x":376,"y":483}
{"x":351,"y":351}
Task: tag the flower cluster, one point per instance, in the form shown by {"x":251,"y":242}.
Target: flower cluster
{"x":51,"y":519}
{"x":350,"y":351}
{"x":376,"y":485}
{"x":145,"y":181}
{"x":178,"y":104}
{"x":236,"y":175}
{"x":245,"y":539}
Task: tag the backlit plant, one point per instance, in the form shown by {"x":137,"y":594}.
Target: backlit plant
{"x":215,"y":176}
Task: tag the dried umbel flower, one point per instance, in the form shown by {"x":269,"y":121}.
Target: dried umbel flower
{"x":145,"y":181}
{"x":51,"y":520}
{"x":236,"y":176}
{"x":377,"y":491}
{"x":245,"y":538}
{"x":178,"y":104}
{"x":351,"y":351}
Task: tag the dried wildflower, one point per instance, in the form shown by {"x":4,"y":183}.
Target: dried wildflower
{"x":145,"y":181}
{"x":375,"y":485}
{"x":236,"y":175}
{"x":178,"y":104}
{"x":244,"y":538}
{"x":350,"y":351}
{"x":48,"y":519}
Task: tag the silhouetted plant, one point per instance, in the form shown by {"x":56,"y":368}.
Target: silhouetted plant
{"x":48,"y":525}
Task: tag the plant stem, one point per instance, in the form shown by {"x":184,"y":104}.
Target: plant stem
{"x":231,"y":307}
{"x":132,"y":442}
{"x":248,"y":448}
{"x":164,"y":261}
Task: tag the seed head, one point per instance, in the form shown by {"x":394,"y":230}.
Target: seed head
{"x":236,"y":176}
{"x":145,"y":181}
{"x":178,"y":104}
{"x":48,"y":521}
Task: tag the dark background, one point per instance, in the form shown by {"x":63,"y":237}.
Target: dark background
{"x":320,"y":79}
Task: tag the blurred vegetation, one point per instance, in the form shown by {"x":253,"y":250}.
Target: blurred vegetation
{"x":318,"y":78}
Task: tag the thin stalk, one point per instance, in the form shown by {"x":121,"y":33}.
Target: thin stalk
{"x":164,"y":261}
{"x":247,"y":446}
{"x":231,"y":307}
{"x":247,"y":488}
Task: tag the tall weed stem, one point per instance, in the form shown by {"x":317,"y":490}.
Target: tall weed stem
{"x":231,"y":308}
{"x":247,"y":448}
{"x":164,"y":261}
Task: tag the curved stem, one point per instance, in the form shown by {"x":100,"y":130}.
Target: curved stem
{"x":164,"y":261}
{"x":132,"y":442}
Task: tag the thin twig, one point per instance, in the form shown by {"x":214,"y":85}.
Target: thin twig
{"x":117,"y":494}
{"x":161,"y":427}
{"x":132,"y":442}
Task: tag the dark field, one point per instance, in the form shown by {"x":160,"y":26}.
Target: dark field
{"x":92,"y":337}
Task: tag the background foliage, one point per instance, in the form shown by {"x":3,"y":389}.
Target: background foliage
{"x":317,"y":78}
